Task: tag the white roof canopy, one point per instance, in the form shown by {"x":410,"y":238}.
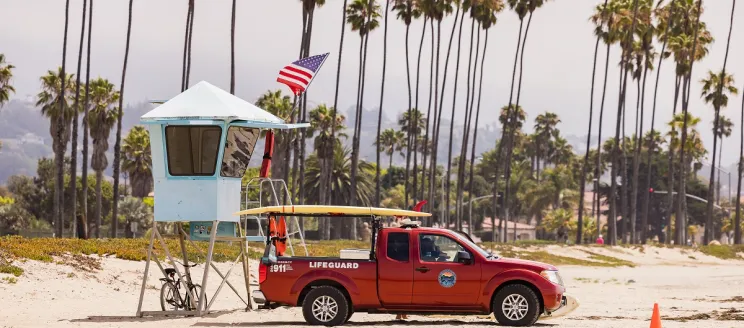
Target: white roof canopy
{"x":205,"y":101}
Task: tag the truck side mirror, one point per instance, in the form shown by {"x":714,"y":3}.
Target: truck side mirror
{"x":464,"y":258}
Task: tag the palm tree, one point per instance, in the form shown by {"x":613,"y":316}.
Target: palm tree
{"x":308,"y":17}
{"x":83,"y":224}
{"x":59,"y":153}
{"x":486,"y":16}
{"x":626,"y":47}
{"x":101,"y":120}
{"x":117,"y":144}
{"x":440,"y":10}
{"x":724,"y":129}
{"x":407,"y":10}
{"x":688,"y":65}
{"x":49,"y":98}
{"x":363,"y":17}
{"x":716,"y":91}
{"x":324,"y":122}
{"x":382,"y":95}
{"x":652,"y":145}
{"x":325,"y":180}
{"x":391,"y":141}
{"x":6,"y":75}
{"x":137,"y":161}
{"x":582,"y":184}
{"x":341,"y":183}
{"x":73,"y":157}
{"x":609,"y":15}
{"x":545,"y":131}
{"x":232,"y":48}
{"x":466,"y":6}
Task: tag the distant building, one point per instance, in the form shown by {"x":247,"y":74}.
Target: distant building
{"x":30,"y":138}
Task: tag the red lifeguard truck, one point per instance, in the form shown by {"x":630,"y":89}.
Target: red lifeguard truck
{"x":408,"y":269}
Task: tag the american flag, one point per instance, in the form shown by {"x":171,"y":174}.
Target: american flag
{"x":298,"y":75}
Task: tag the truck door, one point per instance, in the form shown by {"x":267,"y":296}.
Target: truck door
{"x":438,"y":278}
{"x":395,"y":268}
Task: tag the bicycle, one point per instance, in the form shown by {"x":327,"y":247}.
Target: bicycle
{"x":172,"y":295}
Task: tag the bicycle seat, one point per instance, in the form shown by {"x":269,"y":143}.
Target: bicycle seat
{"x":170,"y":271}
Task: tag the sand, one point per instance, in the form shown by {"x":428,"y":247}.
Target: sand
{"x":686,"y":284}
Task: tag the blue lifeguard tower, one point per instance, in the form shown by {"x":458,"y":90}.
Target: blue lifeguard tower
{"x":202,"y":141}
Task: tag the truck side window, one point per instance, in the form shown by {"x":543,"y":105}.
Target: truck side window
{"x":437,"y":248}
{"x":397,"y":246}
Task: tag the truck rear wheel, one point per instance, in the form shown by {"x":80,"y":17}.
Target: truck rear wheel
{"x":325,"y":306}
{"x":516,"y":305}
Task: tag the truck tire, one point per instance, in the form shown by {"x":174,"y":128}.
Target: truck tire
{"x":325,"y":306}
{"x":516,"y":305}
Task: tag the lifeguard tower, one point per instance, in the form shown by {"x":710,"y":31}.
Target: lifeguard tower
{"x":202,"y":141}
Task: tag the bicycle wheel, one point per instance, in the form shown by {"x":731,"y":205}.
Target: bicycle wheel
{"x":196,"y":290}
{"x":169,"y":299}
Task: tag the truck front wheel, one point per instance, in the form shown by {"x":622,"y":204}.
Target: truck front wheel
{"x":325,"y":306}
{"x":516,"y":305}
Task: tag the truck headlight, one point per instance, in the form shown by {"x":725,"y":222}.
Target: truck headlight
{"x":552,"y":276}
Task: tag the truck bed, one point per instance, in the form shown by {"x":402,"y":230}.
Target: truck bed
{"x":288,"y":279}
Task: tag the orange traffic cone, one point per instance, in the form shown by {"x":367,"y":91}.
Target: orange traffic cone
{"x":655,"y":317}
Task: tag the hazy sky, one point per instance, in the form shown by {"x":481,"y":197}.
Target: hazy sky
{"x":557,"y":67}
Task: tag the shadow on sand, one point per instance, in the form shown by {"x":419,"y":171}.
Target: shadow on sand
{"x":110,"y":319}
{"x":360,"y":323}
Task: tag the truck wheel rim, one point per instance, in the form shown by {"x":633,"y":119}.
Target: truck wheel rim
{"x":515,"y":307}
{"x":325,"y":308}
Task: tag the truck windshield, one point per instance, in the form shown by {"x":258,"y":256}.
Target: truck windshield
{"x":472,"y":245}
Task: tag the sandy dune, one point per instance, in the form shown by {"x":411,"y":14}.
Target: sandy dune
{"x":687,"y":285}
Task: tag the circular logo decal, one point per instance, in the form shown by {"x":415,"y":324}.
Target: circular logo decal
{"x":447,"y":278}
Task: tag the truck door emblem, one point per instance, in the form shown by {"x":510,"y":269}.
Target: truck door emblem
{"x":447,"y":278}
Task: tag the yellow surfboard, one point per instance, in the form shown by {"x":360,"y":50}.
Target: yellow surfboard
{"x":331,"y":210}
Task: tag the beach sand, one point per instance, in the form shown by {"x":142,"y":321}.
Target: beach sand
{"x":687,"y":285}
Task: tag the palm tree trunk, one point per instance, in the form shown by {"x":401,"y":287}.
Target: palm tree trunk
{"x":410,"y":113}
{"x":504,"y":130}
{"x":83,"y":227}
{"x":652,"y":146}
{"x":718,"y":182}
{"x":425,"y":154}
{"x":184,"y":78}
{"x":737,"y":218}
{"x":75,"y":119}
{"x":328,"y":187}
{"x":191,"y":35}
{"x":636,"y":164}
{"x":414,"y":138}
{"x":117,"y":144}
{"x":382,"y":97}
{"x":708,"y":237}
{"x":458,"y":221}
{"x":302,"y":140}
{"x":99,"y":200}
{"x":671,"y":166}
{"x":59,"y":155}
{"x":477,"y":117}
{"x":433,"y":160}
{"x":232,"y":48}
{"x":510,"y":139}
{"x":360,"y":110}
{"x":582,"y":183}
